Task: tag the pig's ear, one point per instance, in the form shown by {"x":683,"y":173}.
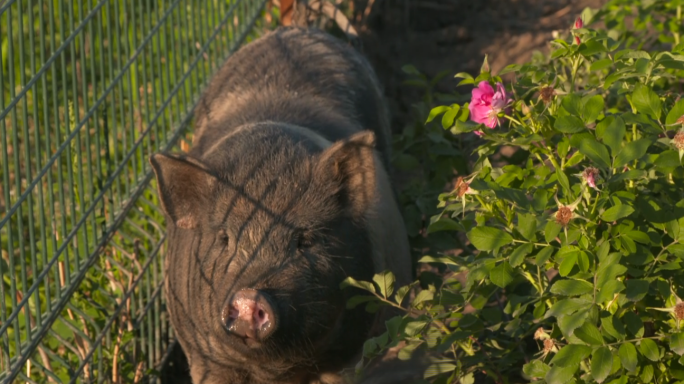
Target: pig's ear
{"x":184,"y":187}
{"x":351,"y":163}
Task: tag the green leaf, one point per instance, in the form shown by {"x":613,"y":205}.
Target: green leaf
{"x":595,"y":151}
{"x":601,"y":363}
{"x":520,"y":253}
{"x":563,"y":179}
{"x":422,"y":296}
{"x":449,"y":117}
{"x":632,"y":151}
{"x":527,"y":225}
{"x":385,"y":281}
{"x":568,"y":323}
{"x":569,"y":124}
{"x":566,"y":307}
{"x":609,"y":289}
{"x":675,"y":113}
{"x":600,"y":64}
{"x":628,"y":356}
{"x":561,"y":375}
{"x":443,"y":224}
{"x":544,"y":255}
{"x":569,"y":261}
{"x":551,"y":230}
{"x":649,"y":349}
{"x":617,"y":212}
{"x":536,"y":368}
{"x":351,"y":282}
{"x":677,"y":343}
{"x":573,"y":104}
{"x":401,"y":293}
{"x":414,"y":327}
{"x":570,"y":355}
{"x":501,"y":275}
{"x":614,"y":134}
{"x":571,"y":287}
{"x":592,"y":108}
{"x":646,"y":101}
{"x":636,"y":289}
{"x":589,"y":334}
{"x":488,"y":238}
{"x":436,"y":111}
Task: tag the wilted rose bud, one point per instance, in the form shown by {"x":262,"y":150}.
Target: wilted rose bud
{"x":540,"y":334}
{"x":563,"y":216}
{"x":589,"y":175}
{"x":679,"y":311}
{"x":546,"y":94}
{"x":678,"y":140}
{"x":578,"y":23}
{"x":548,"y":345}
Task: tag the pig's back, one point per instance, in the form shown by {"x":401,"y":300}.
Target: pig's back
{"x":296,"y":76}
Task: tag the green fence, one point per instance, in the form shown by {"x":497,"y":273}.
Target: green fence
{"x":90,"y":89}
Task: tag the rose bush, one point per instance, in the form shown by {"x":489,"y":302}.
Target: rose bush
{"x":567,"y":219}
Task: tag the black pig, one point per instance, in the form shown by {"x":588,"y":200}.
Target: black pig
{"x":284,"y":193}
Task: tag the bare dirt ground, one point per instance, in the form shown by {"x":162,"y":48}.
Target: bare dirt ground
{"x":454,"y":35}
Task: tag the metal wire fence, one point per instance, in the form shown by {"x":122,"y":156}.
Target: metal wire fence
{"x":90,"y":89}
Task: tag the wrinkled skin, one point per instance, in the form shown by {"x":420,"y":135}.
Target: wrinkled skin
{"x":285,"y":192}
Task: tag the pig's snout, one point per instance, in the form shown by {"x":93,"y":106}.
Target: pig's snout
{"x":249,"y":314}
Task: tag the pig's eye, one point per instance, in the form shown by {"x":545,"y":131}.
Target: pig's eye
{"x":223,"y":238}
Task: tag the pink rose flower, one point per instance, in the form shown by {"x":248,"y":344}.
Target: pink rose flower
{"x":589,"y":176}
{"x":486,"y":104}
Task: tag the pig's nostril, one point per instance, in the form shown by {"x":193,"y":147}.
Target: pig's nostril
{"x":233,"y":313}
{"x":260,"y":317}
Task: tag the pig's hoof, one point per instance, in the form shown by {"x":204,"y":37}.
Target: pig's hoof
{"x":250,"y":315}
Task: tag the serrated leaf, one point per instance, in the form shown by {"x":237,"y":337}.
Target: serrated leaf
{"x":561,"y":375}
{"x":536,"y":368}
{"x":675,"y":113}
{"x":570,"y":355}
{"x":628,"y":356}
{"x":595,"y":151}
{"x":569,"y":124}
{"x":589,"y":334}
{"x":617,"y":212}
{"x":488,"y":238}
{"x":636,"y":289}
{"x":677,"y":343}
{"x":601,"y":363}
{"x":351,"y":282}
{"x":422,"y":296}
{"x":600,"y":64}
{"x":566,"y":307}
{"x":385,"y":281}
{"x":520,"y":253}
{"x":592,"y":108}
{"x":614,"y":134}
{"x":401,"y":293}
{"x":571,"y":287}
{"x":563,"y":179}
{"x":501,"y":275}
{"x":573,"y":104}
{"x":632,"y":151}
{"x":649,"y":349}
{"x":527,"y":225}
{"x":544,"y":255}
{"x":609,"y":289}
{"x":568,"y":323}
{"x":449,"y":117}
{"x":436,"y":111}
{"x":414,"y":327}
{"x":443,"y":224}
{"x":551,"y":230}
{"x":569,"y":261}
{"x":646,"y":101}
